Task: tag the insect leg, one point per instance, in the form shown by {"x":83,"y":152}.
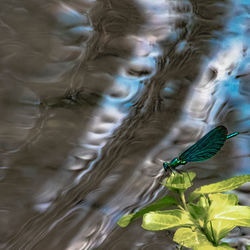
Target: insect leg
{"x":178,"y":171}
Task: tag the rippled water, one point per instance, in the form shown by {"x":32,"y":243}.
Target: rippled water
{"x":95,"y":95}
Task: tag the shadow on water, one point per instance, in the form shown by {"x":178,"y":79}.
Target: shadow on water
{"x":94,"y":96}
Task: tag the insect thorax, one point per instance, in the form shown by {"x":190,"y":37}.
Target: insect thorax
{"x":175,"y":162}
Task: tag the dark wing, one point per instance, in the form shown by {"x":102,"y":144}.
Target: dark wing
{"x":207,"y":146}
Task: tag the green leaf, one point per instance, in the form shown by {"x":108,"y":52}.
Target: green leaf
{"x":197,"y":211}
{"x":190,"y":238}
{"x":221,"y":186}
{"x":166,"y":219}
{"x":176,"y":181}
{"x":162,"y":203}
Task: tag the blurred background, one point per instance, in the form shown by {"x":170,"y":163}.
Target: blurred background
{"x":95,"y":95}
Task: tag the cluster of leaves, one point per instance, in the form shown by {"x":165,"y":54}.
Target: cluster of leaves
{"x":207,"y":217}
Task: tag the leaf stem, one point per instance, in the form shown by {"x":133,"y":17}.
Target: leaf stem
{"x":211,"y":225}
{"x":183,"y":200}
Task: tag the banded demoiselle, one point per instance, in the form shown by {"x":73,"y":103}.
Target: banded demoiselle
{"x":203,"y":149}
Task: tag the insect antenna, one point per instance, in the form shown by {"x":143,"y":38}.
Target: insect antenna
{"x":240,"y":156}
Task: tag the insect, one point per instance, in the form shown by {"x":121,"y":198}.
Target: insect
{"x":205,"y":148}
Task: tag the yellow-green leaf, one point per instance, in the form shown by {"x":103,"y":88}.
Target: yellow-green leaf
{"x":190,"y":238}
{"x":221,"y":186}
{"x":166,"y":219}
{"x":203,"y":202}
{"x":176,"y":181}
{"x":218,"y":229}
{"x":125,"y":220}
{"x":223,"y":215}
{"x":239,"y":215}
{"x":223,"y":200}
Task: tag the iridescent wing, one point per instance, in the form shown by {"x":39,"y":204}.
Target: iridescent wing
{"x":207,"y":146}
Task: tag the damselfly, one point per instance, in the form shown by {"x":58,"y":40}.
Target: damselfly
{"x":205,"y":148}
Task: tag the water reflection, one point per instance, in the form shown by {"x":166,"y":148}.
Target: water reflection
{"x":95,"y":95}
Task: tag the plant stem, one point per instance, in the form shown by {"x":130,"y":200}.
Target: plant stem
{"x":183,"y":200}
{"x":212,"y":230}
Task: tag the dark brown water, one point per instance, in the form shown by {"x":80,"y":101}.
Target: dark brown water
{"x":95,"y":95}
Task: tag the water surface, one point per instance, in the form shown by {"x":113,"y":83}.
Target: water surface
{"x":95,"y":95}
